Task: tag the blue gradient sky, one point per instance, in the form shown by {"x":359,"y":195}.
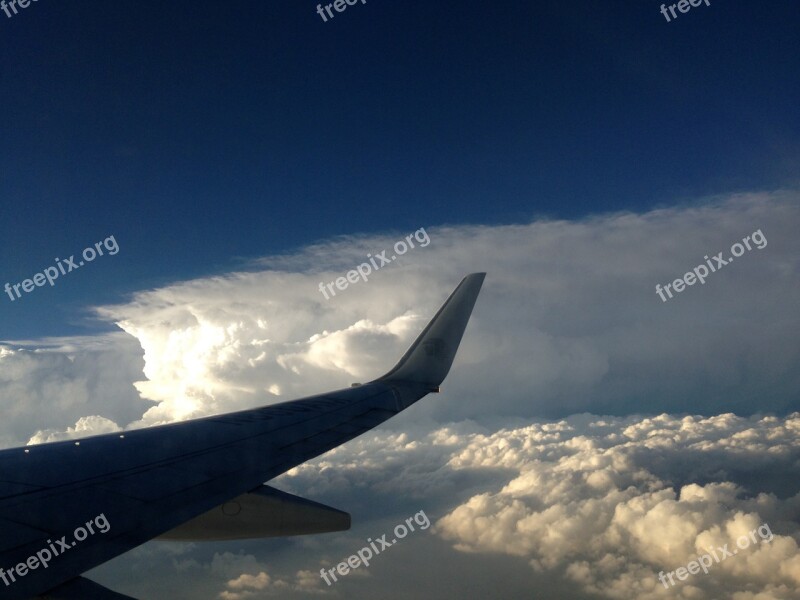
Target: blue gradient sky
{"x":204,"y":134}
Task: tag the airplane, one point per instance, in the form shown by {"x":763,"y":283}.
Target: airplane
{"x":67,"y":507}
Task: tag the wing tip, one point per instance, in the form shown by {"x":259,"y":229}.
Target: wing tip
{"x":429,"y":358}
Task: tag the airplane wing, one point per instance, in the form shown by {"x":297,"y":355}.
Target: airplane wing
{"x":66,"y":507}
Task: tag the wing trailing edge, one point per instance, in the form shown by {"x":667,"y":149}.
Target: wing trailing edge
{"x":264,"y":512}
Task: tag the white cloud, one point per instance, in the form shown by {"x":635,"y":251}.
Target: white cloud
{"x":247,"y":578}
{"x":588,"y":503}
{"x":50,"y":385}
{"x":568,"y":316}
{"x":594,"y":500}
{"x":84,"y":427}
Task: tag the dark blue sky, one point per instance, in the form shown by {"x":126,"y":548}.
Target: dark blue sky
{"x":203,"y":133}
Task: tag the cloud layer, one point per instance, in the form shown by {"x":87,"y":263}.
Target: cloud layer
{"x":603,"y":503}
{"x":583,"y":507}
{"x":569,"y":317}
{"x":522,"y":489}
{"x":569,"y":321}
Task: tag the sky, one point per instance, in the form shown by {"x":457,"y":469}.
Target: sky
{"x":186,"y":178}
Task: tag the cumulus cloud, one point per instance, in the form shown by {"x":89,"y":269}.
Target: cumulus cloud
{"x":247,"y":578}
{"x":244,"y":573}
{"x":48,"y":385}
{"x":569,"y":316}
{"x":603,"y":503}
{"x":85,"y":426}
{"x":568,"y":321}
{"x":245,"y":586}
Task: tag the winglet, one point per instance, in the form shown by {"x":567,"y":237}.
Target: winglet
{"x":429,"y":358}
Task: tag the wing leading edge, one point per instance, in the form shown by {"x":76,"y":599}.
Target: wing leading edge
{"x":148,"y":482}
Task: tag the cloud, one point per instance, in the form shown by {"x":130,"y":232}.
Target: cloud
{"x":605,"y":503}
{"x":85,"y":426}
{"x":569,"y":316}
{"x":248,"y":578}
{"x":250,"y":582}
{"x":245,"y":586}
{"x":48,"y":385}
{"x":568,"y":321}
{"x":245,"y":575}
